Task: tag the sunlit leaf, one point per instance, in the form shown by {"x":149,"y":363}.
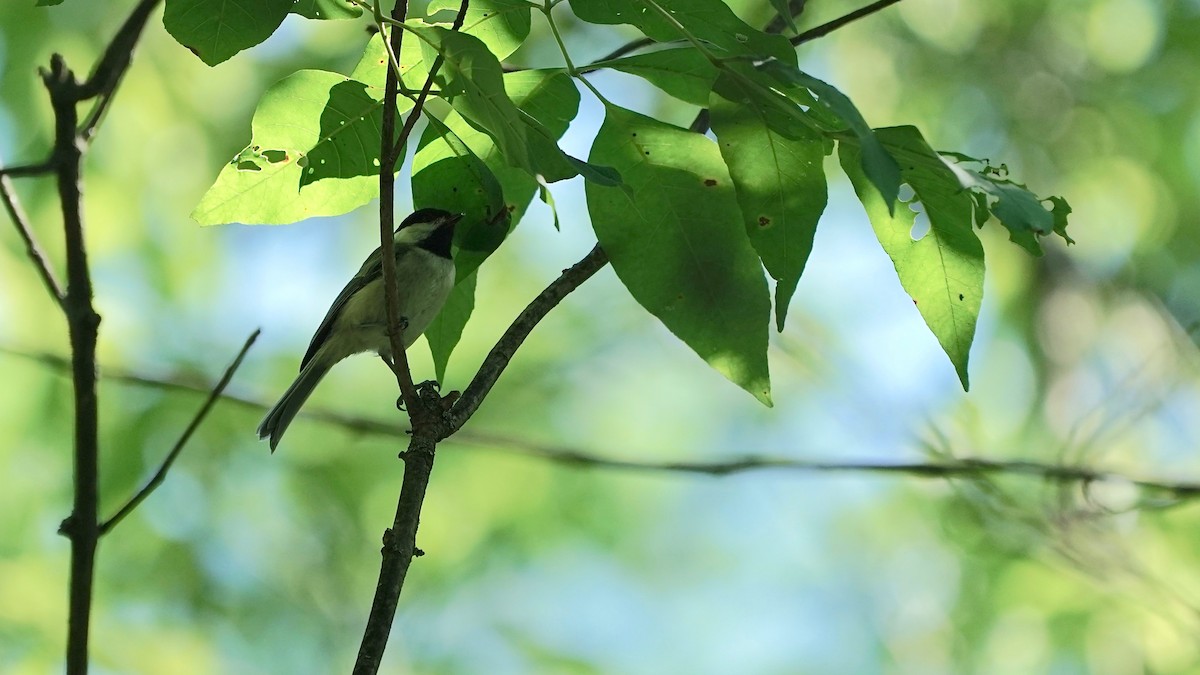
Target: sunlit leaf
{"x":676,"y":239}
{"x":288,"y":126}
{"x":943,"y":270}
{"x":502,"y":25}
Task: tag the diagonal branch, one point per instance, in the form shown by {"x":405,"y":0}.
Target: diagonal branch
{"x":161,"y":474}
{"x":497,"y":360}
{"x":106,"y":76}
{"x":828,"y":27}
{"x":11,"y":204}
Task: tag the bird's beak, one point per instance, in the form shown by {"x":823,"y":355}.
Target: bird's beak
{"x":452,"y":220}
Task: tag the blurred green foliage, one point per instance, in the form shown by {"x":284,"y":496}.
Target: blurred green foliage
{"x":250,"y":563}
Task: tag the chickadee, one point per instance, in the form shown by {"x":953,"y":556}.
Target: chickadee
{"x":357,"y":320}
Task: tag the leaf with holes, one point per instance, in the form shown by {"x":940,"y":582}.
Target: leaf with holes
{"x":1014,"y":205}
{"x":675,"y":236}
{"x":943,"y":270}
{"x":215,"y":30}
{"x":270,"y":183}
{"x":777,"y":168}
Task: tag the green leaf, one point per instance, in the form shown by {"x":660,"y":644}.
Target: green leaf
{"x":502,"y":25}
{"x":1017,"y":209}
{"x":372,"y":68}
{"x":777,"y":168}
{"x":447,"y":175}
{"x":879,"y":166}
{"x":446,"y":330}
{"x":709,"y":20}
{"x":683,"y":73}
{"x":943,"y":270}
{"x":266,"y":182}
{"x":523,"y":141}
{"x":784,"y":10}
{"x":333,"y":10}
{"x":674,"y":234}
{"x":215,"y":30}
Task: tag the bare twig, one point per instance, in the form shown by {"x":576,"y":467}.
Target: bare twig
{"x":828,"y":27}
{"x":111,"y":67}
{"x":161,"y":474}
{"x":497,"y":360}
{"x":13,"y":205}
{"x":22,"y":170}
{"x":961,"y":467}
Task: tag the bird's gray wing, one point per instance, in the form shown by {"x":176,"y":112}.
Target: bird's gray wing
{"x":371,"y":269}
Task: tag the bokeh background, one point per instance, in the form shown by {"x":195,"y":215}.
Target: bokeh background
{"x":244,"y":562}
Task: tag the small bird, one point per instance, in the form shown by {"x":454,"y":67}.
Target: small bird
{"x":357,"y":320}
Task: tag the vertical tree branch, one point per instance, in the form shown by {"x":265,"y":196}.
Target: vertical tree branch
{"x":400,"y":540}
{"x":82,"y":526}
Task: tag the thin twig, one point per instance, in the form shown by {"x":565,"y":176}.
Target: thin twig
{"x":497,"y":360}
{"x":161,"y":474}
{"x":962,"y":467}
{"x":827,"y":28}
{"x":23,"y":170}
{"x":628,"y":47}
{"x":106,"y":76}
{"x":13,"y":205}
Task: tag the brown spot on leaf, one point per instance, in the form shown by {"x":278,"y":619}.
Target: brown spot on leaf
{"x":710,"y":182}
{"x":960,"y":297}
{"x":764,"y":221}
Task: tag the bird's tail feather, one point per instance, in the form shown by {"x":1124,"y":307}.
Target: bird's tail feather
{"x":281,"y":415}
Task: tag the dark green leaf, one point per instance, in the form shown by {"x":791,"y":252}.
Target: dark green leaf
{"x":943,"y":270}
{"x":683,"y":73}
{"x":502,"y":25}
{"x":879,"y":166}
{"x":334,"y":10}
{"x":446,"y":330}
{"x":447,"y":175}
{"x":523,"y":141}
{"x":711,"y":21}
{"x":784,"y":9}
{"x":674,"y":234}
{"x":780,"y":184}
{"x":215,"y":30}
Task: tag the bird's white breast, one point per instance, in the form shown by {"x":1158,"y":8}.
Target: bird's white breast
{"x":423,"y":282}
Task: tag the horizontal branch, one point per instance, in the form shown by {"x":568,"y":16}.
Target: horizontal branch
{"x":965,"y":467}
